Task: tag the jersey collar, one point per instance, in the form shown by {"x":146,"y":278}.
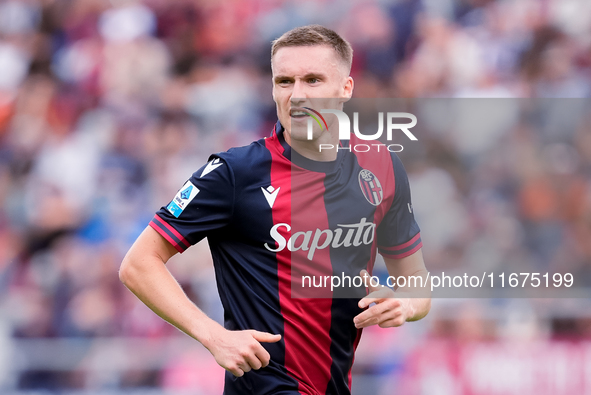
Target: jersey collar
{"x":303,"y":162}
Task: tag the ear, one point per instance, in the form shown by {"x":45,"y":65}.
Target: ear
{"x":273,"y":88}
{"x":273,"y":80}
{"x":348,"y":88}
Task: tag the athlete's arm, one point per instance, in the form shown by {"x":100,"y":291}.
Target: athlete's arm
{"x":144,"y":272}
{"x":394,"y":308}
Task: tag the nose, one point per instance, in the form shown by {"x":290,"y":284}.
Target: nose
{"x":298,"y":94}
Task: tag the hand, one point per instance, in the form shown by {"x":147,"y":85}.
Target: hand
{"x":387,"y":312}
{"x":240,"y":351}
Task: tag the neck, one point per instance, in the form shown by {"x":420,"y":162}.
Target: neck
{"x":319,"y":150}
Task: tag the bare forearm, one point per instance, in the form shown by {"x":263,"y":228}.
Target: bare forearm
{"x":144,"y":272}
{"x":418,"y":296}
{"x":416,"y":292}
{"x":149,"y":279}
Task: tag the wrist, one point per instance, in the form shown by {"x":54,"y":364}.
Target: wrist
{"x":410,"y":310}
{"x":408,"y":306}
{"x":207,"y":333}
{"x":414,"y":308}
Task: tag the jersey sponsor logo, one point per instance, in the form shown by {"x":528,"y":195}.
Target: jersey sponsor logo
{"x":211,"y":166}
{"x":182,"y":199}
{"x":361,"y":233}
{"x":371,"y":187}
{"x":270,"y":194}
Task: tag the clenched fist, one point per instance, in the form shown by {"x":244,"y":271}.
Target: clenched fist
{"x":240,"y":351}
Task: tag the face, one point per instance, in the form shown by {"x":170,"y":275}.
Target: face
{"x":301,"y":74}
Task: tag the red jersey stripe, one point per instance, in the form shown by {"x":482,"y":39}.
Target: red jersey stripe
{"x":403,"y":254}
{"x":157,"y":226}
{"x":181,"y":240}
{"x":401,"y":246}
{"x":307,"y":321}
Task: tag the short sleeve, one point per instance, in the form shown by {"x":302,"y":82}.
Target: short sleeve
{"x":204,"y":204}
{"x":399,"y":234}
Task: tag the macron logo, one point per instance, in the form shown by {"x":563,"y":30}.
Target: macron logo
{"x":270,"y":194}
{"x":211,"y":166}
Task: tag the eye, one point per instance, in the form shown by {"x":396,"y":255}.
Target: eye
{"x":313,"y":80}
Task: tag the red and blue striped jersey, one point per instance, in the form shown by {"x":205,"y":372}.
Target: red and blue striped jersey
{"x":271,"y":216}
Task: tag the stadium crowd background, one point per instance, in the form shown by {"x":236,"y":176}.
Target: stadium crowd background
{"x":106,"y":108}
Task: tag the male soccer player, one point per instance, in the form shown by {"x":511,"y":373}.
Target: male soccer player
{"x":281,"y":206}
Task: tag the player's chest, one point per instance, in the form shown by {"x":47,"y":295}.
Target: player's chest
{"x":346,"y":207}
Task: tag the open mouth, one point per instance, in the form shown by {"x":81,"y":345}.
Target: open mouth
{"x":298,"y":112}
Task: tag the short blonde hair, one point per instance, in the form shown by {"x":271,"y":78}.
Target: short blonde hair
{"x":315,"y":35}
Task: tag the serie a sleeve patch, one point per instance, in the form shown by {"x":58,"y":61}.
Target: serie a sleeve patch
{"x":182,"y":199}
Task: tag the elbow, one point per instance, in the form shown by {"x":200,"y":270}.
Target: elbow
{"x":126,"y":271}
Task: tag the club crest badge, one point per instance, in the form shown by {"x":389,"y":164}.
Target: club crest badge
{"x":371,"y":187}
